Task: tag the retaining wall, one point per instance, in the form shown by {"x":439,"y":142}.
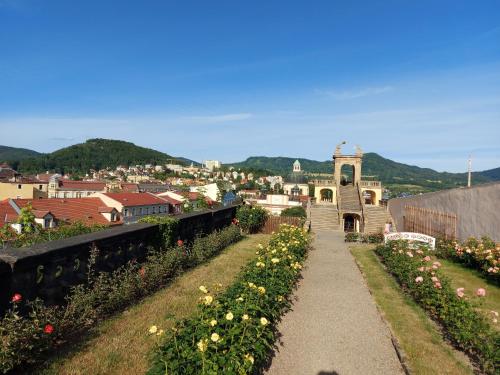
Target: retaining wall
{"x":48,"y":270}
{"x":477,"y":209}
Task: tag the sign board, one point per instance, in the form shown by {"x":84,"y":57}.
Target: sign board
{"x":410,"y":236}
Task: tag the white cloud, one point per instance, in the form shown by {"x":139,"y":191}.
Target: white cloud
{"x":220,"y":118}
{"x":354,"y":94}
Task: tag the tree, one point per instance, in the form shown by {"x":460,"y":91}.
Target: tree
{"x":27,"y":219}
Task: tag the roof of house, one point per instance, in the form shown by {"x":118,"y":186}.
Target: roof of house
{"x":86,"y":210}
{"x":170,"y":200}
{"x":82,"y":185}
{"x":136,"y":199}
{"x":7,"y":213}
{"x":129,"y":187}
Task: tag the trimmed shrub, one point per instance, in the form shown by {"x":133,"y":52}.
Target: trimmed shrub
{"x":251,"y":218}
{"x":422,"y":279}
{"x":31,"y":329}
{"x":294,"y":212}
{"x":234,"y":332}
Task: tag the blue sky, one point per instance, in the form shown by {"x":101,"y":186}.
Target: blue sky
{"x":415,"y":81}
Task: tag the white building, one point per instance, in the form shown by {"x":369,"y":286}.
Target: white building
{"x":211,"y":165}
{"x":275,"y":203}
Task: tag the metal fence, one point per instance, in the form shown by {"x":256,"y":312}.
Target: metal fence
{"x":431,"y":222}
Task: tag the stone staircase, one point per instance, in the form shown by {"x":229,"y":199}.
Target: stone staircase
{"x":324,"y":217}
{"x":375,"y":219}
{"x":349,"y":198}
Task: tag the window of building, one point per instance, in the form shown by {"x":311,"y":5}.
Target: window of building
{"x":125,"y":212}
{"x":40,"y":187}
{"x":19,"y":186}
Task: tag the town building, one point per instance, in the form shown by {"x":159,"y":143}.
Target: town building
{"x":23,"y":188}
{"x":212,"y":165}
{"x":134,"y":206}
{"x":295,"y":184}
{"x":276,"y":203}
{"x":59,"y":187}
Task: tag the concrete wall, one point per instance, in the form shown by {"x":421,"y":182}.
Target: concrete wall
{"x":48,"y":270}
{"x":477,"y":209}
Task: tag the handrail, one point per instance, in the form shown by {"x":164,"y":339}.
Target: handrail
{"x":362,"y":204}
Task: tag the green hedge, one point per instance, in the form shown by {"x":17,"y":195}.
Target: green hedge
{"x":364,"y":238}
{"x":422,"y":279}
{"x":234,"y":332}
{"x":24,"y":338}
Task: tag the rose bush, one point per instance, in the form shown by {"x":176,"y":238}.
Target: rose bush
{"x":364,"y":238}
{"x":30,"y":329}
{"x":233,"y":332}
{"x":480,"y":254}
{"x":251,"y":218}
{"x":420,"y":277}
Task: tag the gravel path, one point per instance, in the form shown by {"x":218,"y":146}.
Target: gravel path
{"x":334,"y":327}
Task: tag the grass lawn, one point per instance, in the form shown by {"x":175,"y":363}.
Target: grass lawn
{"x":463,"y":277}
{"x":121,"y":345}
{"x":420,"y":339}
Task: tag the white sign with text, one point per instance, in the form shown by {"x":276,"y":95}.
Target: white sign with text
{"x":410,"y":236}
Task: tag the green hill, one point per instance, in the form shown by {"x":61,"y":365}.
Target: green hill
{"x":13,"y":153}
{"x":93,"y":154}
{"x":391,"y":173}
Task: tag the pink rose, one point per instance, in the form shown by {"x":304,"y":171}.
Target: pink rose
{"x":421,"y":269}
{"x":460,"y":292}
{"x":419,"y":279}
{"x":410,"y":254}
{"x":427,"y":259}
{"x":481,"y":292}
{"x":436,"y":265}
{"x":434,"y":279}
{"x":437,"y":285}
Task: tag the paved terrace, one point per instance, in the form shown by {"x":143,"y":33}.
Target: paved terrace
{"x":334,"y":327}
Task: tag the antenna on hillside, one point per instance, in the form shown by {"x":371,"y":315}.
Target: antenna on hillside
{"x":469,"y":170}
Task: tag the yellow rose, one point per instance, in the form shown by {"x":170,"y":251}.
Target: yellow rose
{"x":264,"y":321}
{"x":249,"y":358}
{"x":153,"y":329}
{"x":202,"y":345}
{"x":203,"y":289}
{"x":275,"y":260}
{"x":245,"y":317}
{"x":215,"y":337}
{"x":213,"y":322}
{"x":261,"y":289}
{"x":229,"y":316}
{"x":239,"y":299}
{"x":207,"y":300}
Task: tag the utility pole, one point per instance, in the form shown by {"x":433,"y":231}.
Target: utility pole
{"x":469,"y":171}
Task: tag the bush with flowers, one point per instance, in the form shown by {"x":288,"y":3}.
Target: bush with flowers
{"x":251,"y":218}
{"x":364,"y":238}
{"x":480,"y":254}
{"x":420,"y":276}
{"x":233,"y":332}
{"x":30,"y":329}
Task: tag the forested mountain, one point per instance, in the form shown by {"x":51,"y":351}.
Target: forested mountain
{"x":14,"y":153}
{"x":93,"y":154}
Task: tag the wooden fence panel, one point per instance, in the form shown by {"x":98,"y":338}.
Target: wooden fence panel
{"x":431,"y":222}
{"x":273,"y":223}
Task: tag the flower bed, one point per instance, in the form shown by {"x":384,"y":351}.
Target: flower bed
{"x":30,"y":329}
{"x":364,"y":238}
{"x":234,"y":332}
{"x":420,"y":277}
{"x":480,"y":254}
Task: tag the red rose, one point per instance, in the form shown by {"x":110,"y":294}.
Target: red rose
{"x":142,"y":272}
{"x":17,"y":298}
{"x":48,"y":329}
{"x":180,"y":243}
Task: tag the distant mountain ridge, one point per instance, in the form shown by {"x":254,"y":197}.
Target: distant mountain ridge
{"x":385,"y":170}
{"x":14,"y":153}
{"x":93,"y":154}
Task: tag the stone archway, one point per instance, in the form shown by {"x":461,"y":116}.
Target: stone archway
{"x":326,"y":195}
{"x":369,"y":197}
{"x":351,"y":222}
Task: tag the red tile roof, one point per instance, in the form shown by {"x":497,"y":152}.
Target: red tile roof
{"x":129,"y":187}
{"x":7,"y":213}
{"x":85,"y":210}
{"x":82,"y":185}
{"x":171,"y":200}
{"x":136,"y":199}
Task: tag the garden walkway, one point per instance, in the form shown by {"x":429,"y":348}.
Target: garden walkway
{"x":334,"y":327}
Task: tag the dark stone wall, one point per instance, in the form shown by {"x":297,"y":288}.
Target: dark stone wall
{"x":50,"y":269}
